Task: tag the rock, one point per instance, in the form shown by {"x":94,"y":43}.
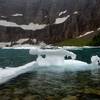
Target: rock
{"x":32,"y":97}
{"x":84,"y":17}
{"x":52,"y":98}
{"x":70,"y":98}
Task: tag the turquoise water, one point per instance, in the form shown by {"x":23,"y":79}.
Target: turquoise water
{"x":49,"y":85}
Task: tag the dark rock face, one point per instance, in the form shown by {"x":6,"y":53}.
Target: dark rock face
{"x":45,"y":12}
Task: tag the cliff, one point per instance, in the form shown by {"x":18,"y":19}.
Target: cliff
{"x":47,"y":20}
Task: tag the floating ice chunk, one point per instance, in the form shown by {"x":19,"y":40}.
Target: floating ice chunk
{"x":76,"y":65}
{"x":53,"y":52}
{"x":66,"y":65}
{"x":9,"y":73}
{"x":95,"y":60}
{"x":51,"y":63}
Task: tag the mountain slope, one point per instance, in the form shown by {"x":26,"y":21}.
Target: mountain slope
{"x":63,"y":19}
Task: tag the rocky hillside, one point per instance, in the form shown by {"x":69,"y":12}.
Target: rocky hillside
{"x":48,"y":20}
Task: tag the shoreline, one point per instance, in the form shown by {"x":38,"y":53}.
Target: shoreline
{"x":49,"y":47}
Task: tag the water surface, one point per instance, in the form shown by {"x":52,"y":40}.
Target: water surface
{"x":39,"y":85}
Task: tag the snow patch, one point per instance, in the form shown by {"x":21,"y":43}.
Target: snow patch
{"x":76,"y":12}
{"x":31,"y":26}
{"x":87,"y":33}
{"x":61,"y":20}
{"x":3,"y":17}
{"x":15,"y":15}
{"x":20,"y":41}
{"x":6,"y":23}
{"x":63,"y":12}
{"x":98,"y":29}
{"x":45,"y":16}
{"x":3,"y":44}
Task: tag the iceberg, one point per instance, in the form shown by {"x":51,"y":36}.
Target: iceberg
{"x":50,"y":60}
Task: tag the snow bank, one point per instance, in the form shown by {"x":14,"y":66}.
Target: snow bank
{"x":62,"y":12}
{"x":87,"y":33}
{"x":76,"y":12}
{"x":20,"y":41}
{"x":17,"y":14}
{"x":3,"y":44}
{"x":31,"y":26}
{"x":3,"y":17}
{"x":98,"y":29}
{"x":61,"y":20}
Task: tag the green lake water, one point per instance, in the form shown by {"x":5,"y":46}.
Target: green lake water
{"x":83,"y":85}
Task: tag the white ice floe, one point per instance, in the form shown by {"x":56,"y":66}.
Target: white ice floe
{"x":61,"y":20}
{"x":30,"y":26}
{"x":17,"y":14}
{"x":95,"y":60}
{"x":54,"y":61}
{"x":62,"y":12}
{"x":87,"y":33}
{"x":40,"y":64}
{"x":58,"y":63}
{"x":9,"y":73}
{"x":53,"y":52}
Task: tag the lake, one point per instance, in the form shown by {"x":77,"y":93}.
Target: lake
{"x":50,"y":85}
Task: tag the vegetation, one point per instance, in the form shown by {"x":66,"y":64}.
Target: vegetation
{"x":96,"y":40}
{"x":82,"y":42}
{"x":75,"y":42}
